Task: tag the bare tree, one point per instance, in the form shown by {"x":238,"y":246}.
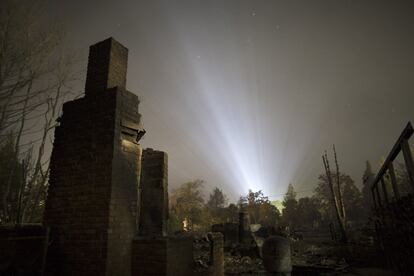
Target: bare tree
{"x":36,"y":75}
{"x":25,"y":51}
{"x":339,"y":188}
{"x":336,"y":199}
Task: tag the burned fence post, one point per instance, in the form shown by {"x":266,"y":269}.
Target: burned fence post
{"x":378,"y":196}
{"x":408,"y":158}
{"x":384,"y":190}
{"x":374,"y":199}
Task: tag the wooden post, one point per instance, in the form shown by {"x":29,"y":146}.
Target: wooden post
{"x":374,"y":200}
{"x":384,"y":190}
{"x":393,"y":180}
{"x":378,"y":195}
{"x":409,"y":164}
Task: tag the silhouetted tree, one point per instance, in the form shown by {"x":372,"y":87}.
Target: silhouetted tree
{"x":35,"y":77}
{"x":308,"y":214}
{"x":352,"y":197}
{"x":11,"y":170}
{"x":353,"y":201}
{"x":187,"y":203}
{"x":231,"y":213}
{"x":260,"y":209}
{"x":290,"y":207}
{"x":215,"y":206}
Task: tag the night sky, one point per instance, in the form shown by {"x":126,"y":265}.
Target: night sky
{"x":248,"y":94}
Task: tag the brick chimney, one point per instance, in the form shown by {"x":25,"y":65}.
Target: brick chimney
{"x":107,"y":66}
{"x":91,"y":206}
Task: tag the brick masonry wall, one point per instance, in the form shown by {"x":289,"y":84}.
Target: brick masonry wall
{"x":154,"y":193}
{"x":149,"y":256}
{"x":92,"y":199}
{"x":78,"y":200}
{"x":107,"y":66}
{"x":170,"y":256}
{"x":124,"y":189}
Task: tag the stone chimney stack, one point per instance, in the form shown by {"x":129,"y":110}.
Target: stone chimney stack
{"x":107,"y":66}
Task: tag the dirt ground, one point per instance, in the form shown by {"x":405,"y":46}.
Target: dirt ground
{"x":318,"y":258}
{"x":312,"y":257}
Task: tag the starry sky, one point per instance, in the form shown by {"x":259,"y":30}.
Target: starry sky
{"x":249,"y":94}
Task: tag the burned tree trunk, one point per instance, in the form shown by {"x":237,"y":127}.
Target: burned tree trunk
{"x":338,"y":183}
{"x":340,"y":218}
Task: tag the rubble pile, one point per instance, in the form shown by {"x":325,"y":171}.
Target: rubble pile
{"x":308,"y":259}
{"x":238,"y":259}
{"x":201,"y":251}
{"x":243,"y":265}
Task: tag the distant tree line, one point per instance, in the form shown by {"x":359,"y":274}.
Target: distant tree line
{"x":189,"y":211}
{"x":316,"y":211}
